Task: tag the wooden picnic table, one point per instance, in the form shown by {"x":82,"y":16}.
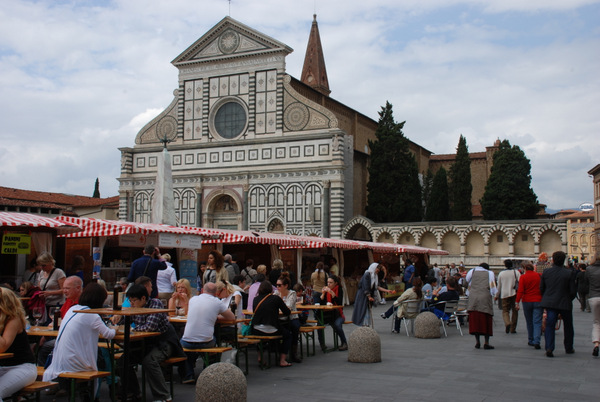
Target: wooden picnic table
{"x":321,"y":308}
{"x":127,"y":313}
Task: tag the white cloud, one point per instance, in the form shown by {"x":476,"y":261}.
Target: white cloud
{"x":80,"y":79}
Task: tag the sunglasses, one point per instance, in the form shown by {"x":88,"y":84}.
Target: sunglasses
{"x":279,"y":285}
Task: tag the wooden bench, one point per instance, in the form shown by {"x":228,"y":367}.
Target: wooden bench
{"x":309,"y":334}
{"x":168,"y":364}
{"x":264,"y":341}
{"x":35,"y":388}
{"x":242,"y":345}
{"x":84,"y":376}
{"x":207,"y":352}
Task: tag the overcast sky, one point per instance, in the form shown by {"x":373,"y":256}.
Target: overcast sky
{"x":78,"y":79}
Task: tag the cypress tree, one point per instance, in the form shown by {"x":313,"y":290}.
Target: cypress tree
{"x":508,"y":193}
{"x":96,"y":189}
{"x":461,"y":187}
{"x":438,"y":207}
{"x":394,"y":190}
{"x":427,"y":186}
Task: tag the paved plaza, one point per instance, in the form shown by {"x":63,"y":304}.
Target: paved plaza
{"x":432,"y":370}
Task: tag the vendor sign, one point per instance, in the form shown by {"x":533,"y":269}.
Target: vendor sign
{"x":16,"y":243}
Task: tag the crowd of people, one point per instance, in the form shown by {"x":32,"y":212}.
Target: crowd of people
{"x":224,"y":291}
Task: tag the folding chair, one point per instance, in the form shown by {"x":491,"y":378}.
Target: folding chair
{"x":411,"y":308}
{"x":449,"y":312}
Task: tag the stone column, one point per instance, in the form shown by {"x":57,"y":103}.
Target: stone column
{"x":199,"y":222}
{"x":326,"y":209}
{"x":245,"y":191}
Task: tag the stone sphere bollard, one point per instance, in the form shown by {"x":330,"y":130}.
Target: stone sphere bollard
{"x":427,"y":326}
{"x":364,"y":346}
{"x":221,"y":382}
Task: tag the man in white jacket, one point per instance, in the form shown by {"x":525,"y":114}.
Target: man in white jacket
{"x":508,"y":281}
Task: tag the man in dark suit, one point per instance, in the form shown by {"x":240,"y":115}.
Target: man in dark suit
{"x":148,"y":265}
{"x":558,"y":290}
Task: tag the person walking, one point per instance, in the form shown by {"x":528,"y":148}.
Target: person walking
{"x":482,"y":287}
{"x":508,"y":282}
{"x":592,"y":274}
{"x":558,"y":291}
{"x":529,"y":293}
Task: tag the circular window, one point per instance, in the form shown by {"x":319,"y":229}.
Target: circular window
{"x":230,"y":120}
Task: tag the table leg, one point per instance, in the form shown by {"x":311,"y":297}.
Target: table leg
{"x":124,"y":376}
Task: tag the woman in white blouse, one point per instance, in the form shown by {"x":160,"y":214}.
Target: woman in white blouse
{"x":76,"y":347}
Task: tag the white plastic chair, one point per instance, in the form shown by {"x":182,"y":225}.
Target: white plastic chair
{"x":449,"y":312}
{"x":412,"y":308}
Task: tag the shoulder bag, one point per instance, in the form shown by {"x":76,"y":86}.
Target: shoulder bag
{"x":247,"y":328}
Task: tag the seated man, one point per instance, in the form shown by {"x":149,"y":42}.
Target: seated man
{"x":450,"y":294}
{"x":158,"y":349}
{"x":203,"y":311}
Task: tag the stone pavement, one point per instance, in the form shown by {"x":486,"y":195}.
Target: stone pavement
{"x":433,"y":369}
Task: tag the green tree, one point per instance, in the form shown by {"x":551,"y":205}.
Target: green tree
{"x":461,"y":187}
{"x":426,"y":192}
{"x":508,"y":193}
{"x":394,"y":190}
{"x":96,"y":189}
{"x":438,"y":207}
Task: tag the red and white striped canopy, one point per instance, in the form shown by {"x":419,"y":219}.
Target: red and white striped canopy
{"x":93,"y":227}
{"x":25,"y":220}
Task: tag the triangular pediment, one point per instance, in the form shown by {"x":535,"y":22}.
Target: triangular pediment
{"x":230,"y":39}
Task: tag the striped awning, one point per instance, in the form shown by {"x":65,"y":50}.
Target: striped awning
{"x":25,"y":220}
{"x":93,"y":227}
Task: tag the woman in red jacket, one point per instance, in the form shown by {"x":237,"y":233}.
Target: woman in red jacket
{"x":529,"y":292}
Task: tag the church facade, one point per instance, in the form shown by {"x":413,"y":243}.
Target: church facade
{"x":251,"y":146}
{"x":254,"y":148}
{"x":249,"y":150}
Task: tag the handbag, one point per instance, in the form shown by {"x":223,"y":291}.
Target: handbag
{"x":247,"y":328}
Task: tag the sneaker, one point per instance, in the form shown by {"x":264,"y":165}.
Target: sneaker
{"x":382,"y":315}
{"x":343,"y":347}
{"x":189,"y":380}
{"x":394,"y":331}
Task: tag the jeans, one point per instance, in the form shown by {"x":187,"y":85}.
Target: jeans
{"x":595,"y":305}
{"x":192,"y":357}
{"x":533,"y":316}
{"x":389,"y":311}
{"x":13,"y":378}
{"x":549,"y":333}
{"x":337,"y":326}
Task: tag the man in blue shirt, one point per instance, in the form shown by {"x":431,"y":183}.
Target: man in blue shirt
{"x":409,"y":273}
{"x":148,"y":265}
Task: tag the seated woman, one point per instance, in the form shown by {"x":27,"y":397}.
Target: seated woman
{"x":413,"y":293}
{"x":227,"y":294}
{"x":19,"y":370}
{"x":333,"y":294}
{"x":76,"y":347}
{"x":181,"y":297}
{"x":301,"y":300}
{"x":292,"y":323}
{"x":266,"y":319}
